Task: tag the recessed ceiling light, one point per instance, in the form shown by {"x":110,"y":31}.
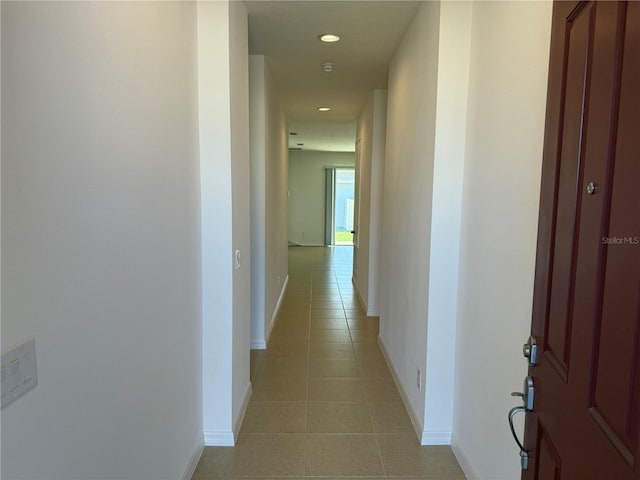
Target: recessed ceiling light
{"x":329,"y":37}
{"x":323,"y":109}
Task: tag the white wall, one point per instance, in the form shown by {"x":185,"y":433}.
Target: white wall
{"x":371,"y":134}
{"x":408,"y":182}
{"x":241,"y":187}
{"x":224,"y":163}
{"x":101,"y":238}
{"x":307,"y":192}
{"x":276,"y":201}
{"x":257,"y":134}
{"x":506,"y":109}
{"x":269,"y":167}
{"x":453,"y":78}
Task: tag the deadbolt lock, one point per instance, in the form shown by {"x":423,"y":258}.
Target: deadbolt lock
{"x":530,"y":351}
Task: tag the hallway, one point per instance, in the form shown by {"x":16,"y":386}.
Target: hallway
{"x":324,"y":403}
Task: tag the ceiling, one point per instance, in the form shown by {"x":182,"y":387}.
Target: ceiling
{"x":286,"y":32}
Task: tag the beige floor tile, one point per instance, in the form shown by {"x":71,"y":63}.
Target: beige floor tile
{"x":320,"y":367}
{"x":330,"y":336}
{"x":256,"y":358}
{"x":323,"y":389}
{"x":297,"y":311}
{"x":366,"y":347}
{"x":297,"y":294}
{"x":326,"y":297}
{"x":373,"y":355}
{"x":403,"y":455}
{"x":277,"y":454}
{"x":291,"y":318}
{"x":331,"y":351}
{"x":389,"y":417}
{"x":373,"y":368}
{"x":365,"y":477}
{"x":275,"y":349}
{"x":286,"y":322}
{"x":322,"y":284}
{"x":279,"y":389}
{"x":326,"y":305}
{"x":216,"y":462}
{"x":364,"y":323}
{"x":280,"y":336}
{"x":274,"y":417}
{"x":382,"y":389}
{"x":293,"y":327}
{"x":460,"y":476}
{"x":350,"y":303}
{"x":371,"y":330}
{"x":364,"y":336}
{"x":329,"y":324}
{"x":253,"y":477}
{"x":334,"y":417}
{"x":338,"y":455}
{"x":283,"y":367}
{"x":324,"y":313}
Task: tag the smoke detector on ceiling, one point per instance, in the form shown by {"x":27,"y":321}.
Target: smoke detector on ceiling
{"x":327,"y":67}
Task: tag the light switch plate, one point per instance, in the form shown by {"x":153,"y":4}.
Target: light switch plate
{"x":19,"y":372}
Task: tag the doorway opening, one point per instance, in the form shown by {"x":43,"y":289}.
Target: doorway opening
{"x":339,"y":206}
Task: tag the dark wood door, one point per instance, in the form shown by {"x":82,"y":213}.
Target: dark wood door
{"x":586,"y":316}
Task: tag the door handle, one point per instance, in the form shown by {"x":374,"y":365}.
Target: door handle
{"x":524,"y":453}
{"x":528,"y":397}
{"x":527,"y":394}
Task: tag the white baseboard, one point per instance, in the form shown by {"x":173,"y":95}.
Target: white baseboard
{"x":463,"y":459}
{"x":215,"y":438}
{"x":425,"y":437}
{"x":197,"y":450}
{"x":415,"y":421}
{"x":261,"y":343}
{"x":361,"y":301}
{"x":258,"y":344}
{"x":276,"y":310}
{"x":435,"y":438}
{"x":237,"y":422}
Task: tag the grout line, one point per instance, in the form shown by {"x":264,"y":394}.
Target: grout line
{"x":306,"y":403}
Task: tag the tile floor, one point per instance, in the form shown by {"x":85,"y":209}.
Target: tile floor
{"x":324,"y":403}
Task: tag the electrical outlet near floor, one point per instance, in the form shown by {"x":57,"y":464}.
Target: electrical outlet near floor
{"x":19,"y":373}
{"x":419,"y":379}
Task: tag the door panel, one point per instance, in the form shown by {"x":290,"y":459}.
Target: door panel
{"x":586,"y":315}
{"x":549,"y":465}
{"x":557,"y":338}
